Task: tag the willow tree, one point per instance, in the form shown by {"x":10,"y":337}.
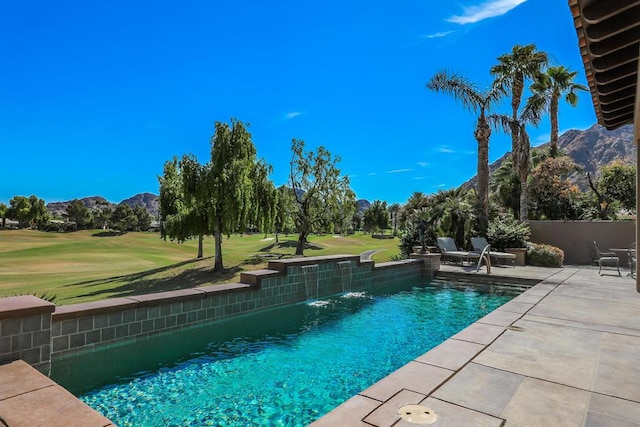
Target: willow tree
{"x":480,"y":102}
{"x":238,"y":194}
{"x":547,"y":90}
{"x":183,"y":214}
{"x":321,"y":194}
{"x":224,"y":196}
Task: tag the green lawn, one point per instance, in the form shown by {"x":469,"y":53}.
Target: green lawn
{"x":93,"y":265}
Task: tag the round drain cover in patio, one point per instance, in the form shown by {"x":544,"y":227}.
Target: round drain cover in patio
{"x":417,"y":414}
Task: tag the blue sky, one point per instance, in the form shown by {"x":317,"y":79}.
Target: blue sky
{"x":96,"y":96}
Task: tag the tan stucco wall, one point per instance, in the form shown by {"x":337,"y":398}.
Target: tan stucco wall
{"x":576,"y":238}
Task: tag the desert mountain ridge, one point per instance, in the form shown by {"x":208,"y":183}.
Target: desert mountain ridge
{"x":148,"y":201}
{"x":590,"y":149}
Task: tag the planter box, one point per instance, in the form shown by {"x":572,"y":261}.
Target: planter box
{"x":520,"y":254}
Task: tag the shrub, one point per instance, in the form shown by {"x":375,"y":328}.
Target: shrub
{"x":507,"y":232}
{"x":544,"y":255}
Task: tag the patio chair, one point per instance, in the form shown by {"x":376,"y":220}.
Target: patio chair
{"x":607,"y":259}
{"x":479,"y":243}
{"x":449,"y":250}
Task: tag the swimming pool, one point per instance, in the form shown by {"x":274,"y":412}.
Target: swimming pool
{"x":287,"y":366}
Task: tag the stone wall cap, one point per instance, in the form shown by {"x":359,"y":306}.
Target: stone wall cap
{"x":223,"y":288}
{"x":282,"y":264}
{"x":24,"y":306}
{"x":148,"y":300}
{"x":84,"y":309}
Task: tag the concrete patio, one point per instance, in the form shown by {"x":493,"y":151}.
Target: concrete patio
{"x":564,"y":353}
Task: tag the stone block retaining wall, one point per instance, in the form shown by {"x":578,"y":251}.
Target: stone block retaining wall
{"x":29,"y":325}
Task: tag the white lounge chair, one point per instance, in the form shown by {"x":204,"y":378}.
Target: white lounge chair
{"x":607,"y":259}
{"x":479,"y":243}
{"x":449,"y":251}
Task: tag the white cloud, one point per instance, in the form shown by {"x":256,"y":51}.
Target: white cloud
{"x":399,"y":170}
{"x":444,"y":149}
{"x":373,"y":173}
{"x":488,"y":9}
{"x":437,"y":35}
{"x":437,"y":186}
{"x":418,"y":178}
{"x":423,"y":164}
{"x":291,"y":115}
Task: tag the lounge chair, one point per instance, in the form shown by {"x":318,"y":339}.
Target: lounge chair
{"x":607,"y":259}
{"x":479,"y":243}
{"x":450,"y":251}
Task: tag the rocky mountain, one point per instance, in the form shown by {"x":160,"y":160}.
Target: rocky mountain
{"x":590,"y":149}
{"x":58,"y":209}
{"x":147,"y":200}
{"x":362,"y":205}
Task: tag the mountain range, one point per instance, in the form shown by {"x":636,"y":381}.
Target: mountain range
{"x":590,"y":149}
{"x":147,"y":200}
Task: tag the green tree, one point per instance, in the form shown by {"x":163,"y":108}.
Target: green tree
{"x":376,"y":217}
{"x":547,"y":90}
{"x":285,"y":206}
{"x":179,"y":220}
{"x":522,"y":156}
{"x":394,"y":210}
{"x":480,"y":102}
{"x":511,"y":72}
{"x":318,"y":188}
{"x":265,"y":197}
{"x":3,"y":214}
{"x":123,"y":218}
{"x":505,"y":187}
{"x":77,"y":212}
{"x":28,"y":211}
{"x":552,"y":195}
{"x":616,"y":186}
{"x":101,"y":215}
{"x":451,"y":213}
{"x":143,"y":218}
{"x":233,"y":201}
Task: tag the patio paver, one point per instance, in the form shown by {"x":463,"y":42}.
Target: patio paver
{"x":575,"y":362}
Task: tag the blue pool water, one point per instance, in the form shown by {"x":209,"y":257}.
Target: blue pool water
{"x":283,"y":367}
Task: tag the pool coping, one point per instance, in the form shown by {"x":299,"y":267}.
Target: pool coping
{"x":476,"y":378}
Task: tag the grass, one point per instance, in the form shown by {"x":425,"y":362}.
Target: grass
{"x":93,"y":265}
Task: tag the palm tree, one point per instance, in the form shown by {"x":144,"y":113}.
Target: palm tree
{"x":523,"y":62}
{"x":394,"y":208}
{"x":522,"y":155}
{"x":547,"y":90}
{"x":505,"y":185}
{"x":481,"y":103}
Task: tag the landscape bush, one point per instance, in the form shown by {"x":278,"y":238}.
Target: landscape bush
{"x":507,"y":232}
{"x":541,"y":255}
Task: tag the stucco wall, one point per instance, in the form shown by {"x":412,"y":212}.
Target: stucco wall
{"x":576,"y":238}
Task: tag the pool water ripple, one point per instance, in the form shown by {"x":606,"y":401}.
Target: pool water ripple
{"x":262,"y":377}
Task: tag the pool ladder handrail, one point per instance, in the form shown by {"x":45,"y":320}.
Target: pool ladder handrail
{"x":485,"y":255}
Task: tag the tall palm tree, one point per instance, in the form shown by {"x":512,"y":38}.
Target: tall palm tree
{"x":480,"y":102}
{"x":522,"y":156}
{"x":511,"y":71}
{"x":547,"y":90}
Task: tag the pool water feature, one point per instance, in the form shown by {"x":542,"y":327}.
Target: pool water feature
{"x":287,"y":366}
